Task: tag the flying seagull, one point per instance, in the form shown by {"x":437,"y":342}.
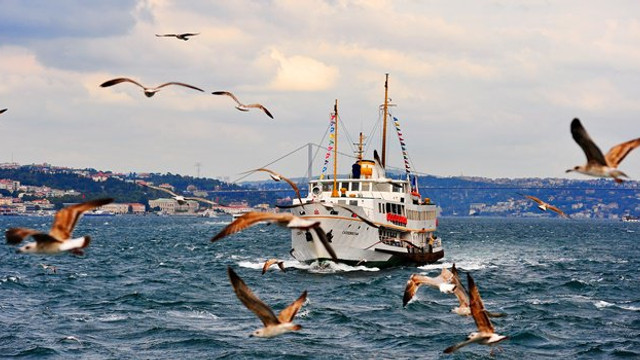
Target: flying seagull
{"x":273,"y":326}
{"x":284,"y":219}
{"x":442,"y":282}
{"x":270,"y":262}
{"x":241,"y":106}
{"x":149,"y":92}
{"x":183,"y":36}
{"x":59,"y":237}
{"x":3,"y":110}
{"x":278,"y":177}
{"x":54,"y":269}
{"x":486,"y":334}
{"x":597,"y":164}
{"x":180,"y":198}
{"x":544,"y":206}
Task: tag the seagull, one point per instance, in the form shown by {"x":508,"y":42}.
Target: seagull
{"x":544,"y":206}
{"x":278,"y":177}
{"x":149,"y":92}
{"x":597,"y":164}
{"x":486,"y":334}
{"x":179,"y":198}
{"x":46,"y":267}
{"x":3,"y":110}
{"x":59,"y":237}
{"x":184,"y":36}
{"x":241,"y":106}
{"x":442,"y":282}
{"x":284,"y":219}
{"x":273,"y":326}
{"x":270,"y":262}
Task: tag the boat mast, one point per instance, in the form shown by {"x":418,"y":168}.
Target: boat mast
{"x":384,"y":120}
{"x":360,"y":151}
{"x":334,"y":193}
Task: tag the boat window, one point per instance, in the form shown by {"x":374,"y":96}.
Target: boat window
{"x":353,"y":202}
{"x":343,"y":202}
{"x":383,"y":187}
{"x":388,"y":207}
{"x":326,"y":186}
{"x":366,"y":186}
{"x":355,"y":186}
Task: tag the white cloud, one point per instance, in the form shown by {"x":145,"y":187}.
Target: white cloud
{"x":301,"y":73}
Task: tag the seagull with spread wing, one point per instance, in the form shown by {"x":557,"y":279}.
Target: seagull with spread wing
{"x":241,"y":106}
{"x":59,"y":237}
{"x":284,"y":219}
{"x":148,"y":91}
{"x":278,"y":177}
{"x":486,"y":334}
{"x":273,"y":326}
{"x":3,"y":110}
{"x":544,"y":206}
{"x":270,"y":262}
{"x":443,"y":282}
{"x":180,"y":198}
{"x":183,"y":36}
{"x":600,"y":165}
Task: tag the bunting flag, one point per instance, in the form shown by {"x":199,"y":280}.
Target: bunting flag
{"x":405,"y":155}
{"x":332,"y":137}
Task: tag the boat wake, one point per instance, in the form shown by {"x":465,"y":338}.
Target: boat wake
{"x":324,"y":267}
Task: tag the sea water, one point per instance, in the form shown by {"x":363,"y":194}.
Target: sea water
{"x":157,"y":288}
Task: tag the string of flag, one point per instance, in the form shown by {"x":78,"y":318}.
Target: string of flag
{"x":332,"y":140}
{"x":402,"y":145}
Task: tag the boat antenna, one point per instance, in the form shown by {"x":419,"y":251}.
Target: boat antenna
{"x":334,"y":193}
{"x":384,"y":120}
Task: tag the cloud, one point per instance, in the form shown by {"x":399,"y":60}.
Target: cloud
{"x":301,"y":73}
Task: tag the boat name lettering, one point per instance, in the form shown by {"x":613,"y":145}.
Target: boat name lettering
{"x":345,"y":232}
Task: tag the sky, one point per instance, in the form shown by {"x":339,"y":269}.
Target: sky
{"x":480,"y":88}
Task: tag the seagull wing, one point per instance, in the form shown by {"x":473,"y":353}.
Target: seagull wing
{"x":288,"y":181}
{"x":322,"y":236}
{"x":16,"y":235}
{"x":181,"y":84}
{"x":250,"y":219}
{"x":591,"y":150}
{"x":290,"y":311}
{"x":281,"y":266}
{"x":457,"y":346}
{"x":206,"y":201}
{"x":557,"y":210}
{"x":617,"y":153}
{"x":259,"y":106}
{"x":3,"y":110}
{"x":66,"y":218}
{"x":228,"y":94}
{"x":363,"y":218}
{"x":267,"y":264}
{"x":189,"y":34}
{"x":251,"y":301}
{"x":166,"y":35}
{"x":460,"y":292}
{"x":120,"y":80}
{"x":161,"y":189}
{"x":477,"y":308}
{"x":530,"y":197}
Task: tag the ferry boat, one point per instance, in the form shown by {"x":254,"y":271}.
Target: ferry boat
{"x":405,"y":223}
